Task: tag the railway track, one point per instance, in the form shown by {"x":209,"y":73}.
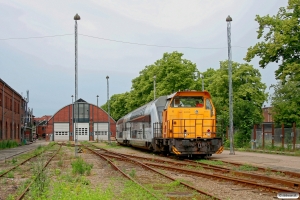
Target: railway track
{"x":21,"y":163}
{"x":156,"y":173}
{"x":269,"y":184}
{"x":18,"y":176}
{"x":262,"y":169}
{"x":30,"y":184}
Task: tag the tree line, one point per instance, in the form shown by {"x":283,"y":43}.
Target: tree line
{"x":280,"y":34}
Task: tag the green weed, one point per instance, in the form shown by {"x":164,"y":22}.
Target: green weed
{"x":41,"y":179}
{"x":211,"y":162}
{"x":81,"y":167}
{"x":60,"y":162}
{"x":6,"y":144}
{"x":57,"y":172}
{"x":10,"y":175}
{"x":132,"y":173}
{"x":280,"y":174}
{"x":14,"y":160}
{"x":247,"y":167}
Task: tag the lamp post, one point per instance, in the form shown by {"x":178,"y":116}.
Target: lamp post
{"x":228,"y":20}
{"x":72,"y":116}
{"x":107,"y":77}
{"x":76,"y":17}
{"x":97,"y":118}
{"x":154,"y":86}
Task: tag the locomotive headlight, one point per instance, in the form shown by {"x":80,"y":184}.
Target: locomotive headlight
{"x":208,"y":132}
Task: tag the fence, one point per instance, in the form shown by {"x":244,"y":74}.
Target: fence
{"x":265,"y":135}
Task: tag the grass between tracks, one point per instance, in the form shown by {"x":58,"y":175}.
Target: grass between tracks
{"x":72,"y":181}
{"x":72,"y":184}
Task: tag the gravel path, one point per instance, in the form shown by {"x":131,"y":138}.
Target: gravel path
{"x":273,"y":161}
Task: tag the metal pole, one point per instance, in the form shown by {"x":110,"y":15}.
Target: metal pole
{"x":72,"y":117}
{"x":76,"y":17}
{"x":97,"y":122}
{"x":154,"y":79}
{"x":294,"y":135}
{"x":108,"y":108}
{"x":228,"y":20}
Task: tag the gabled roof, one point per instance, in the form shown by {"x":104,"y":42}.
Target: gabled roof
{"x":81,"y":100}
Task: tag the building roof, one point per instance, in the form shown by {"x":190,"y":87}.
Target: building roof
{"x":81,"y":100}
{"x":10,"y":88}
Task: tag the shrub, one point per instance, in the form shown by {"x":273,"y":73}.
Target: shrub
{"x":81,"y":167}
{"x":6,"y":144}
{"x":10,"y":175}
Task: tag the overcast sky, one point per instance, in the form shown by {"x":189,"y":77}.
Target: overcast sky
{"x":45,"y":66}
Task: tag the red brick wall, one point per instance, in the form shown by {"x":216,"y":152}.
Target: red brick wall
{"x":267,"y":114}
{"x":65,"y":115}
{"x":10,"y":112}
{"x":99,"y":115}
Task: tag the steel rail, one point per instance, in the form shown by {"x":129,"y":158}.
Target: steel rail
{"x":118,"y":169}
{"x":154,"y":170}
{"x":22,"y":162}
{"x":293,"y":174}
{"x":288,"y":183}
{"x":27,"y":188}
{"x":224,"y":177}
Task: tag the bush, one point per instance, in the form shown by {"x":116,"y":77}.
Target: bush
{"x":241,"y":140}
{"x":81,"y":167}
{"x":6,"y":144}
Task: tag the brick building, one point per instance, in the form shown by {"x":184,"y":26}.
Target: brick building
{"x":40,"y":125}
{"x":12,"y":112}
{"x":267,"y":114}
{"x":92,"y":123}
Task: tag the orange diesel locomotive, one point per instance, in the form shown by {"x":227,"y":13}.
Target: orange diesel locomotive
{"x":183,"y":123}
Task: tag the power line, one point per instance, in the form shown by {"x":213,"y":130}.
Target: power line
{"x":119,"y":41}
{"x":37,"y":37}
{"x":151,"y":45}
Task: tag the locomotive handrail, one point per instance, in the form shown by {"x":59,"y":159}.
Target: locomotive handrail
{"x":184,"y":127}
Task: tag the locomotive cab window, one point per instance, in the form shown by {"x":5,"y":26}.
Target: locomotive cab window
{"x":167,"y":105}
{"x":187,"y":102}
{"x":208,"y":106}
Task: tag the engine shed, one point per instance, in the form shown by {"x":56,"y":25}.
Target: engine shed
{"x":89,"y":121}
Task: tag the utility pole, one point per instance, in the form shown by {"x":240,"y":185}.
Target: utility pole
{"x":108,"y":109}
{"x":97,"y":122}
{"x":76,"y":17}
{"x":229,"y":20}
{"x":72,"y":117}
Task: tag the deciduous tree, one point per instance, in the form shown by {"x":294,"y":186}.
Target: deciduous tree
{"x":280,"y":34}
{"x":286,"y":103}
{"x":248,"y":96}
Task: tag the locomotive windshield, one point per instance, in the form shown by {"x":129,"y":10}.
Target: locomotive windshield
{"x":187,"y":102}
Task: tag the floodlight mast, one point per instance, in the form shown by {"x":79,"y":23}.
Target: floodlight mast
{"x":76,"y":17}
{"x":229,"y":20}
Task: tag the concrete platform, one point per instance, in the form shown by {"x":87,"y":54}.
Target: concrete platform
{"x":273,"y":161}
{"x":10,"y":153}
